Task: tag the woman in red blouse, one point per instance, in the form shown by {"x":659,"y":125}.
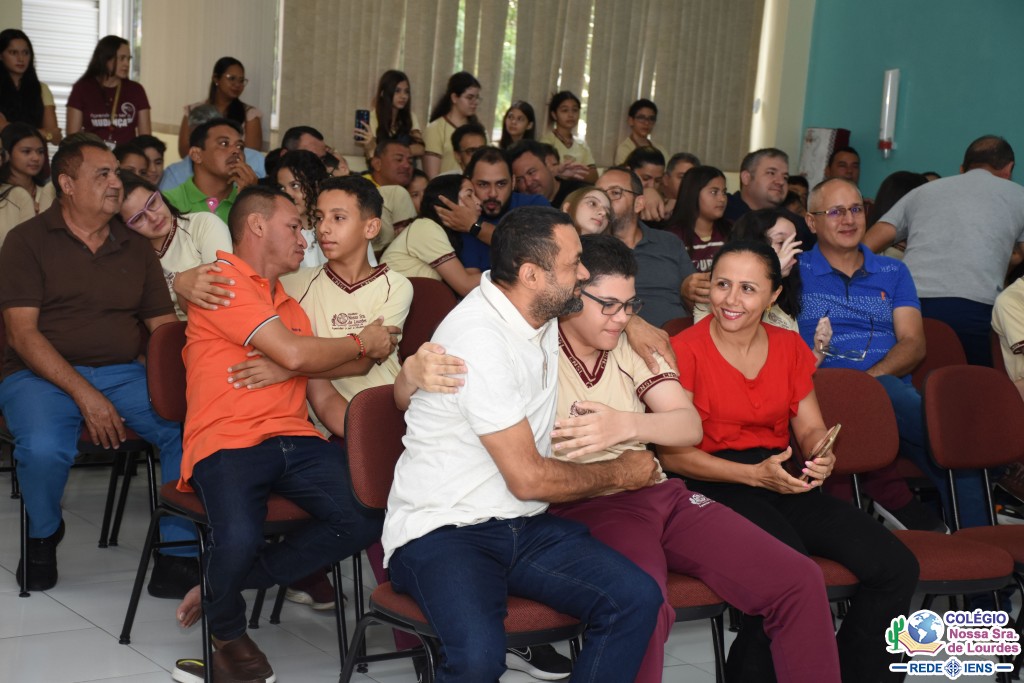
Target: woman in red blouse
{"x":751,"y":383}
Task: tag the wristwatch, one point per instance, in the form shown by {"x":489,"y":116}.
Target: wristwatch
{"x":475,"y":229}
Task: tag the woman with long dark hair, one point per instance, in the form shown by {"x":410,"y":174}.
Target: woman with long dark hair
{"x":226,"y":87}
{"x":23,"y":99}
{"x":563,"y":116}
{"x":426,"y":248}
{"x":299,"y":173}
{"x":457,"y":106}
{"x":698,"y":216}
{"x":391,"y":116}
{"x":893,"y":189}
{"x":23,"y":171}
{"x":104,"y":101}
{"x":519,"y":123}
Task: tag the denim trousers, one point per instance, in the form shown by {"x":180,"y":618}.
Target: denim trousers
{"x":971,"y":320}
{"x":818,"y":524}
{"x":970,"y":486}
{"x":234,"y":484}
{"x":46,"y":425}
{"x":461,"y":577}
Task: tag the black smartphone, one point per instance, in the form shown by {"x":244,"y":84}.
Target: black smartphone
{"x":362,"y":116}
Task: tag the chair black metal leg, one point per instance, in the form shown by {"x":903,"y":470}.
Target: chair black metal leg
{"x":207,"y":643}
{"x":129,"y":469}
{"x":275,"y":614}
{"x":108,"y":508}
{"x":140,"y":577}
{"x":151,"y":477}
{"x":339,"y":613}
{"x":718,"y":641}
{"x":24,"y":551}
{"x":257,"y":607}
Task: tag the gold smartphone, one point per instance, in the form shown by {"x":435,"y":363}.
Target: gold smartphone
{"x":830,"y":439}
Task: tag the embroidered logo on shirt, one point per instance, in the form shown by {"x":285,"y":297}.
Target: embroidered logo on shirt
{"x":346,"y":321}
{"x":700,"y":500}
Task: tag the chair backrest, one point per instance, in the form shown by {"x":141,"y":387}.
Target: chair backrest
{"x":374,"y":427}
{"x":432,"y":300}
{"x":676,"y":325}
{"x":165,"y":371}
{"x":973,"y":416}
{"x":869,"y":438}
{"x":943,"y":349}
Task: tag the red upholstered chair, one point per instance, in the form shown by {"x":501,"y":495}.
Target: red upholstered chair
{"x":950,"y":565}
{"x":943,"y":348}
{"x":676,"y":325}
{"x":432,"y":300}
{"x":165,"y":373}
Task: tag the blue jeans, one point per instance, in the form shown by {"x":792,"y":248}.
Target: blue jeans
{"x":461,"y":577}
{"x":46,"y":424}
{"x":971,"y":320}
{"x":970,"y":487}
{"x":234,"y":484}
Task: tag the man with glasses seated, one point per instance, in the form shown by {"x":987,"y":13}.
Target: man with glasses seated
{"x":872,"y":304}
{"x":662,"y":264}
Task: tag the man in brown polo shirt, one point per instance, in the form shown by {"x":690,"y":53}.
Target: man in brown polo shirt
{"x":74,"y":285}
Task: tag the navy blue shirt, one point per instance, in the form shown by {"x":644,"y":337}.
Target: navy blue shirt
{"x":476,"y":254}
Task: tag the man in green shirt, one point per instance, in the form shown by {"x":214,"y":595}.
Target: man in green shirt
{"x":217,"y":150}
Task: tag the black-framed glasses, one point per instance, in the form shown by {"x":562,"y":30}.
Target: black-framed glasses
{"x":840,"y":211}
{"x":612,"y":307}
{"x":615,"y":192}
{"x":855,"y":356}
{"x":152,"y":204}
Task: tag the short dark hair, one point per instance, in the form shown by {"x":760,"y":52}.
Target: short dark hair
{"x":471,"y":128}
{"x":635,"y":183}
{"x":679,"y":158}
{"x":197,"y":138}
{"x":641,"y":156}
{"x":126,"y":148}
{"x":642,"y":103}
{"x":762,"y":250}
{"x":525,"y":235}
{"x":253,"y":199}
{"x":487,"y":155}
{"x":752,"y":159}
{"x":988,"y":150}
{"x":150,"y":142}
{"x":799,"y":180}
{"x":290,"y":141}
{"x":383,"y":144}
{"x":839,"y":150}
{"x":551,"y":151}
{"x":605,"y":254}
{"x":368,"y":197}
{"x":69,"y":157}
{"x":525,"y":146}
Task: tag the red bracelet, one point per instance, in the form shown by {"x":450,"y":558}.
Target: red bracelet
{"x":362,"y":348}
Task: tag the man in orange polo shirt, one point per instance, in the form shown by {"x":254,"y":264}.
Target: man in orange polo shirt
{"x":240,"y":446}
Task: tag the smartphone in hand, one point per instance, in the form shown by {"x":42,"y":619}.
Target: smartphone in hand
{"x":362,"y":117}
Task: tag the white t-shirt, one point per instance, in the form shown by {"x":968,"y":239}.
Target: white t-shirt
{"x":446,"y":476}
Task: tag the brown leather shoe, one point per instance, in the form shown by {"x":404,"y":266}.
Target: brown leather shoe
{"x":240,"y":661}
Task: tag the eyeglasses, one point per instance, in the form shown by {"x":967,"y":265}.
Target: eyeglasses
{"x":231,"y":78}
{"x":840,"y":211}
{"x":612,"y":307}
{"x":615,"y":192}
{"x":855,"y":356}
{"x":154,"y":202}
{"x":645,"y":119}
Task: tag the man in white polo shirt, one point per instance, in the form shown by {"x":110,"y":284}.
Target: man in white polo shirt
{"x":466,"y":523}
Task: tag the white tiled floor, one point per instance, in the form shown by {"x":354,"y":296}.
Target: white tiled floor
{"x":70,"y":634}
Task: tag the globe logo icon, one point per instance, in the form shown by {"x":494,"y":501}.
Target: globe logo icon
{"x":925,"y":627}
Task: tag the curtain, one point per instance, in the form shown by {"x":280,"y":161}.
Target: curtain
{"x":180,"y":42}
{"x":696,"y":58}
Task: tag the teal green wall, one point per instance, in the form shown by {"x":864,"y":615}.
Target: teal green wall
{"x":961,"y":76}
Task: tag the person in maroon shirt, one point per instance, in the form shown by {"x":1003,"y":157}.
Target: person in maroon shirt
{"x":104,"y":101}
{"x":751,"y":383}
